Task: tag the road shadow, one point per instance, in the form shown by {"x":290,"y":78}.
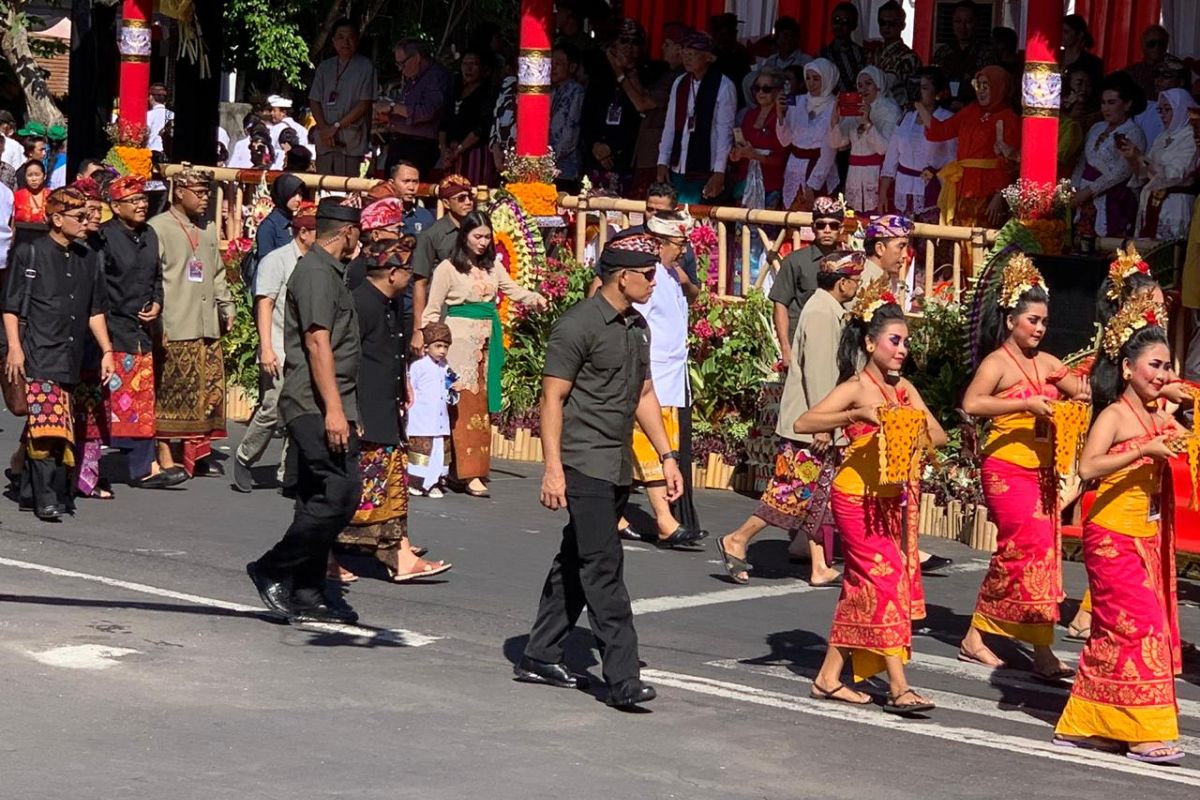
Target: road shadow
{"x":140,"y":605}
{"x":580,"y":657}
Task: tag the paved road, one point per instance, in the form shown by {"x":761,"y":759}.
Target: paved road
{"x":138,"y":665}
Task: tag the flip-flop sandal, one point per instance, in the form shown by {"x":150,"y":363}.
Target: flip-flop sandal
{"x":1171,"y":755}
{"x":1078,"y":634}
{"x":425,"y":569}
{"x":1098,"y":745}
{"x":834,"y":582}
{"x":966,"y":657}
{"x":342,"y":576}
{"x":1056,"y":676}
{"x":892,"y":707}
{"x":818,"y":693}
{"x":734,"y":566}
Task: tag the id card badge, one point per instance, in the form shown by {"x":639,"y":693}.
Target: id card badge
{"x":195,"y":270}
{"x":614,"y":114}
{"x":691,"y":125}
{"x":333,"y":96}
{"x":1154,"y":513}
{"x":1041,"y":430}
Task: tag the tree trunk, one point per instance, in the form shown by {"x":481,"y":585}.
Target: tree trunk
{"x":14,"y":46}
{"x":336,"y":11}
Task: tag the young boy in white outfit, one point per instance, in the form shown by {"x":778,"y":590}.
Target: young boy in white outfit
{"x":431,"y":393}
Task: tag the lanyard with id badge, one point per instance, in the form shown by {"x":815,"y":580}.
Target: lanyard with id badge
{"x":195,"y":267}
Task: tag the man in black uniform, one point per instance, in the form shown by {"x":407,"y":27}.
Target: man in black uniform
{"x":435,"y":243}
{"x":596,"y":380}
{"x":318,"y":404}
{"x":54,"y":296}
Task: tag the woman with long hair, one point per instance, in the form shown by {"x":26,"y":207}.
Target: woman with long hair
{"x":908,"y":182}
{"x":881,"y":585}
{"x":29,"y":201}
{"x":1106,"y":205}
{"x":463,"y":294}
{"x":1014,"y":386}
{"x":1123,"y":699}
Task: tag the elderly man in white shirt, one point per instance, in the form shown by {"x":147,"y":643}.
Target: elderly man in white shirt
{"x":281,"y":119}
{"x":698,"y":133}
{"x":14,"y":153}
{"x":666,"y":313}
{"x":158,"y":117}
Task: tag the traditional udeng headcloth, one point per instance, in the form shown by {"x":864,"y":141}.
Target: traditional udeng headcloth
{"x":87,"y":187}
{"x":874,"y":295}
{"x":452,"y":185}
{"x":382,"y":214}
{"x":437,"y":332}
{"x":663,"y":225}
{"x":193,"y":176}
{"x":1020,"y":275}
{"x":305,"y":216}
{"x":1126,"y":263}
{"x":828,"y":208}
{"x":65,"y":199}
{"x":126,"y":186}
{"x":847,"y":263}
{"x":630,"y":252}
{"x":1138,"y":313}
{"x":889,"y":226}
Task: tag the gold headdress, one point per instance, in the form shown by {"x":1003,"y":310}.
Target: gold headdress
{"x":1127,"y":263}
{"x":1136,"y":314}
{"x":871,"y":298}
{"x":1019,"y":276}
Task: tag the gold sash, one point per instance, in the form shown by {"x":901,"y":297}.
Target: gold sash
{"x":950,"y":175}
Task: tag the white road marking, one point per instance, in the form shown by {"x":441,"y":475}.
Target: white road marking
{"x":874,"y":717}
{"x":81,"y":656}
{"x":968,"y":704}
{"x":388,"y":635}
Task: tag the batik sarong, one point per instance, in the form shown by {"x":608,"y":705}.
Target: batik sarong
{"x":91,"y":430}
{"x":1019,"y":597}
{"x":129,"y":401}
{"x":428,"y":460}
{"x":471,"y":436}
{"x":190,"y":400}
{"x":647,"y":468}
{"x":797,"y":499}
{"x":49,"y":436}
{"x":381,"y":520}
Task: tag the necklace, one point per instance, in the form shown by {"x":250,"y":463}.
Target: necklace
{"x":895,"y":400}
{"x":1036,"y":383}
{"x":1152,"y":429}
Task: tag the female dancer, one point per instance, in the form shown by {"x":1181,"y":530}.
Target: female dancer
{"x":881,"y":586}
{"x":1124,"y":696}
{"x":1014,"y":386}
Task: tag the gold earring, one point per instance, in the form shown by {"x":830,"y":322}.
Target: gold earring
{"x":1126,"y":375}
{"x":870,"y":349}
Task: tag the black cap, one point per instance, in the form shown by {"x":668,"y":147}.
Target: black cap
{"x":332,"y":208}
{"x":6,"y":117}
{"x":630,"y":252}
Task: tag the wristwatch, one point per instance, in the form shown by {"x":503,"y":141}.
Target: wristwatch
{"x":669,"y":454}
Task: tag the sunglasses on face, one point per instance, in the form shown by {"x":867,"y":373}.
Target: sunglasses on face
{"x":198,"y":192}
{"x":647,"y":274}
{"x":764,"y":89}
{"x":461,"y":198}
{"x":826,"y":225}
{"x":139,"y":200}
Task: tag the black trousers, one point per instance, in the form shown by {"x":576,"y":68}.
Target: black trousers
{"x":422,"y":153}
{"x":684,"y":509}
{"x":327,"y":489}
{"x":589,"y":570}
{"x":47,"y":481}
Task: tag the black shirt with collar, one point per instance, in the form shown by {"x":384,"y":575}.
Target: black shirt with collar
{"x":434,"y":246}
{"x":55,"y":291}
{"x":606,"y":356}
{"x":133,"y":275}
{"x":381,"y":369}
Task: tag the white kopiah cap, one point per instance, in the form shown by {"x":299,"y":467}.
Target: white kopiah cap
{"x":276,"y":101}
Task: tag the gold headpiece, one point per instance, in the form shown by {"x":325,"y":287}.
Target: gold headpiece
{"x":1019,"y":276}
{"x":1127,"y":263}
{"x":871,"y":298}
{"x":1136,"y":314}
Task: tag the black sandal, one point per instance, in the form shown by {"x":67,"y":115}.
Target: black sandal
{"x":818,"y":693}
{"x":893,"y":707}
{"x":734,"y":566}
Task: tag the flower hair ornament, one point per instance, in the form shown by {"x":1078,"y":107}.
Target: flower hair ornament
{"x":1126,"y":264}
{"x":1141,"y":312}
{"x":871,"y":298}
{"x":1019,"y":276}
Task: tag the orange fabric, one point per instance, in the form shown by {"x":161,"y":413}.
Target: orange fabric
{"x":1012,"y":438}
{"x":975,"y":129}
{"x":1123,"y":498}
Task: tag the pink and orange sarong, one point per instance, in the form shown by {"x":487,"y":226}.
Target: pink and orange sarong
{"x":1125,"y":688}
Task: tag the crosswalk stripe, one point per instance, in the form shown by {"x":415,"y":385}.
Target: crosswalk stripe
{"x":396,"y":636}
{"x":964,"y":735}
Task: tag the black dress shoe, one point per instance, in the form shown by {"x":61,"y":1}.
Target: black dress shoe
{"x":165,"y":479}
{"x":50,"y":513}
{"x":274,"y":594}
{"x":630,"y":693}
{"x":934,"y":563}
{"x":529,"y":670}
{"x":243,"y":480}
{"x":323,"y":612}
{"x":209,"y":469}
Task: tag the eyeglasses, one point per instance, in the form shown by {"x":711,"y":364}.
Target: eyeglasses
{"x":647,"y":274}
{"x":461,"y":198}
{"x":137,"y":200}
{"x":78,"y":217}
{"x":826,"y":225}
{"x":198,"y":192}
{"x":764,"y":89}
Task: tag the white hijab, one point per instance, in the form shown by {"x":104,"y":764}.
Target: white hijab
{"x":876,"y":76}
{"x":1180,"y":102}
{"x":829,"y":78}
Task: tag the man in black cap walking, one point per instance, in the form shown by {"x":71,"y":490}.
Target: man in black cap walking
{"x":319,"y":406}
{"x":596,"y":381}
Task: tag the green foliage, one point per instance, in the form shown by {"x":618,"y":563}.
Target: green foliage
{"x":937,"y":368}
{"x":265,"y":34}
{"x":240,"y":346}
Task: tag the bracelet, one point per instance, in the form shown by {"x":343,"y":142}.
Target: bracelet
{"x":106,"y":352}
{"x":1139,"y":451}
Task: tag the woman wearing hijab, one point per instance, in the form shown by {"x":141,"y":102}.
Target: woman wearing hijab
{"x":1165,"y":171}
{"x":989,"y":139}
{"x":803,"y":128}
{"x":867,"y":136}
{"x":275,"y":231}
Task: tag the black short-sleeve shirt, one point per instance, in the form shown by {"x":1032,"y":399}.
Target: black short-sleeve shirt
{"x":434,"y":245}
{"x":55,"y":291}
{"x":606,"y":356}
{"x":318,"y":298}
{"x":796,"y":281}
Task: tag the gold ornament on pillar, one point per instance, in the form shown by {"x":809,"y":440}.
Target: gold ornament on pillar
{"x":191,"y":39}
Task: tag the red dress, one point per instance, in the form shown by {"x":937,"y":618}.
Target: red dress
{"x":762,"y":137}
{"x":30,"y":206}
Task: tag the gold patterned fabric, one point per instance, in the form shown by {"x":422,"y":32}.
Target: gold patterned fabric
{"x":190,"y":398}
{"x":471,"y":436}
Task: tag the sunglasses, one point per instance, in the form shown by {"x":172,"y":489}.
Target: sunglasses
{"x":198,"y":192}
{"x":764,"y":89}
{"x":78,"y":217}
{"x":647,"y":274}
{"x":826,"y":225}
{"x":461,"y":198}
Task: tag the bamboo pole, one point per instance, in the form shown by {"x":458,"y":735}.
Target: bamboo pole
{"x":744,"y":235}
{"x":722,"y":258}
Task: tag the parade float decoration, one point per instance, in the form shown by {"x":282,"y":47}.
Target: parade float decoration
{"x":1041,"y":211}
{"x":129,"y":154}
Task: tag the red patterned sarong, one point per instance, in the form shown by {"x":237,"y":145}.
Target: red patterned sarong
{"x":129,"y":402}
{"x":1019,"y":597}
{"x":881,"y":583}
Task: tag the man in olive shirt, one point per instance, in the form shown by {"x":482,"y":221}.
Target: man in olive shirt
{"x":596,"y":381}
{"x":797,"y":277}
{"x":318,"y":405}
{"x":435,"y":243}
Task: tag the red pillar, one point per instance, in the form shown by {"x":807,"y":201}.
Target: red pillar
{"x":1041,"y":89}
{"x":533,"y":76}
{"x":135,"y":48}
{"x":923,"y":29}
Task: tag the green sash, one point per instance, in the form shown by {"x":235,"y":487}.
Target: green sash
{"x":495,"y":355}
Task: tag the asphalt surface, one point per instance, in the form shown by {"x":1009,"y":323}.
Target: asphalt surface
{"x":138,"y":664}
